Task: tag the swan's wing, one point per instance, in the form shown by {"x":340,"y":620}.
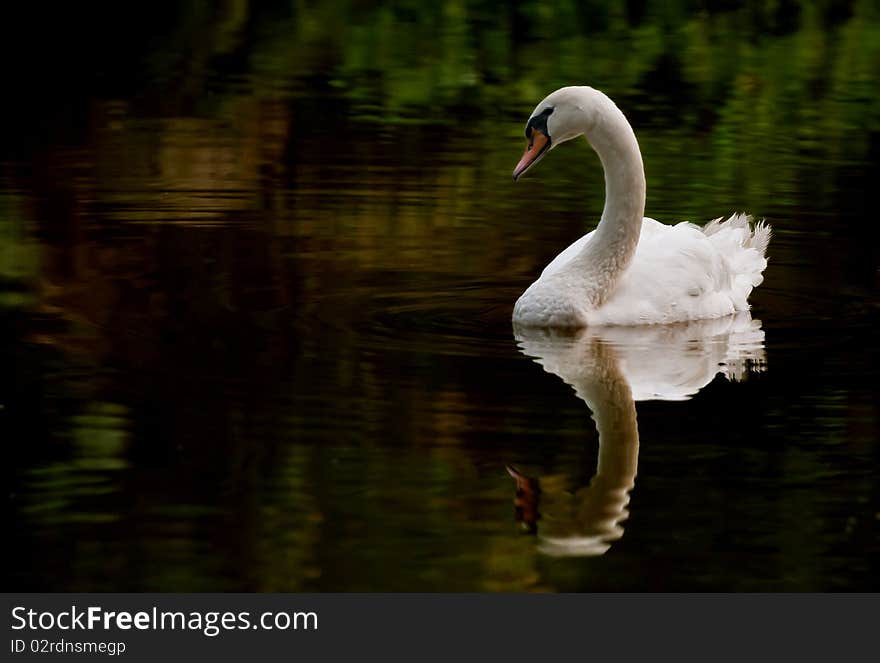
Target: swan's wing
{"x":682,"y":273}
{"x":567,"y":254}
{"x":650,"y":228}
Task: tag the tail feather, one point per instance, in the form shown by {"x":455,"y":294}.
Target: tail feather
{"x":760,"y":238}
{"x":757,"y":235}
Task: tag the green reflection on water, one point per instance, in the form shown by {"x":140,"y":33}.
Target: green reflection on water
{"x":256,"y":286}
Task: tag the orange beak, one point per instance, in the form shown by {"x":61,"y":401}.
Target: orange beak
{"x":537,"y":147}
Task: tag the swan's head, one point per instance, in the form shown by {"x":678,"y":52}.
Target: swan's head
{"x":561,"y":116}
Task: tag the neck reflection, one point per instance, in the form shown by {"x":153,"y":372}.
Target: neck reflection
{"x":610,"y":369}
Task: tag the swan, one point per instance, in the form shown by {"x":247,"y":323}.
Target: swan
{"x":610,"y":369}
{"x":632,"y":270}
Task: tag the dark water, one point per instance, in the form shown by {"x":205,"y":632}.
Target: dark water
{"x":257,"y":267}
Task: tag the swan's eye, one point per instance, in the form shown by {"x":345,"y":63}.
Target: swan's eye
{"x":538,"y":123}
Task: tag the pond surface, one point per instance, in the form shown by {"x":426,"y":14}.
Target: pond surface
{"x":256,"y":279}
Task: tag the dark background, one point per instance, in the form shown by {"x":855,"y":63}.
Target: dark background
{"x":257,"y":264}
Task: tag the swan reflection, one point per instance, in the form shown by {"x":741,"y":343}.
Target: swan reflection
{"x":610,"y":369}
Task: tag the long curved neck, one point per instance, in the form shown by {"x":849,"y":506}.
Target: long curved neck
{"x":608,"y":254}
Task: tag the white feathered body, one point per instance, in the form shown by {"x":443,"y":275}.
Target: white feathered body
{"x":632,"y":270}
{"x":677,"y":273}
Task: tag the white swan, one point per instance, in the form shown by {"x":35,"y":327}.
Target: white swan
{"x":610,"y":369}
{"x":632,"y":270}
